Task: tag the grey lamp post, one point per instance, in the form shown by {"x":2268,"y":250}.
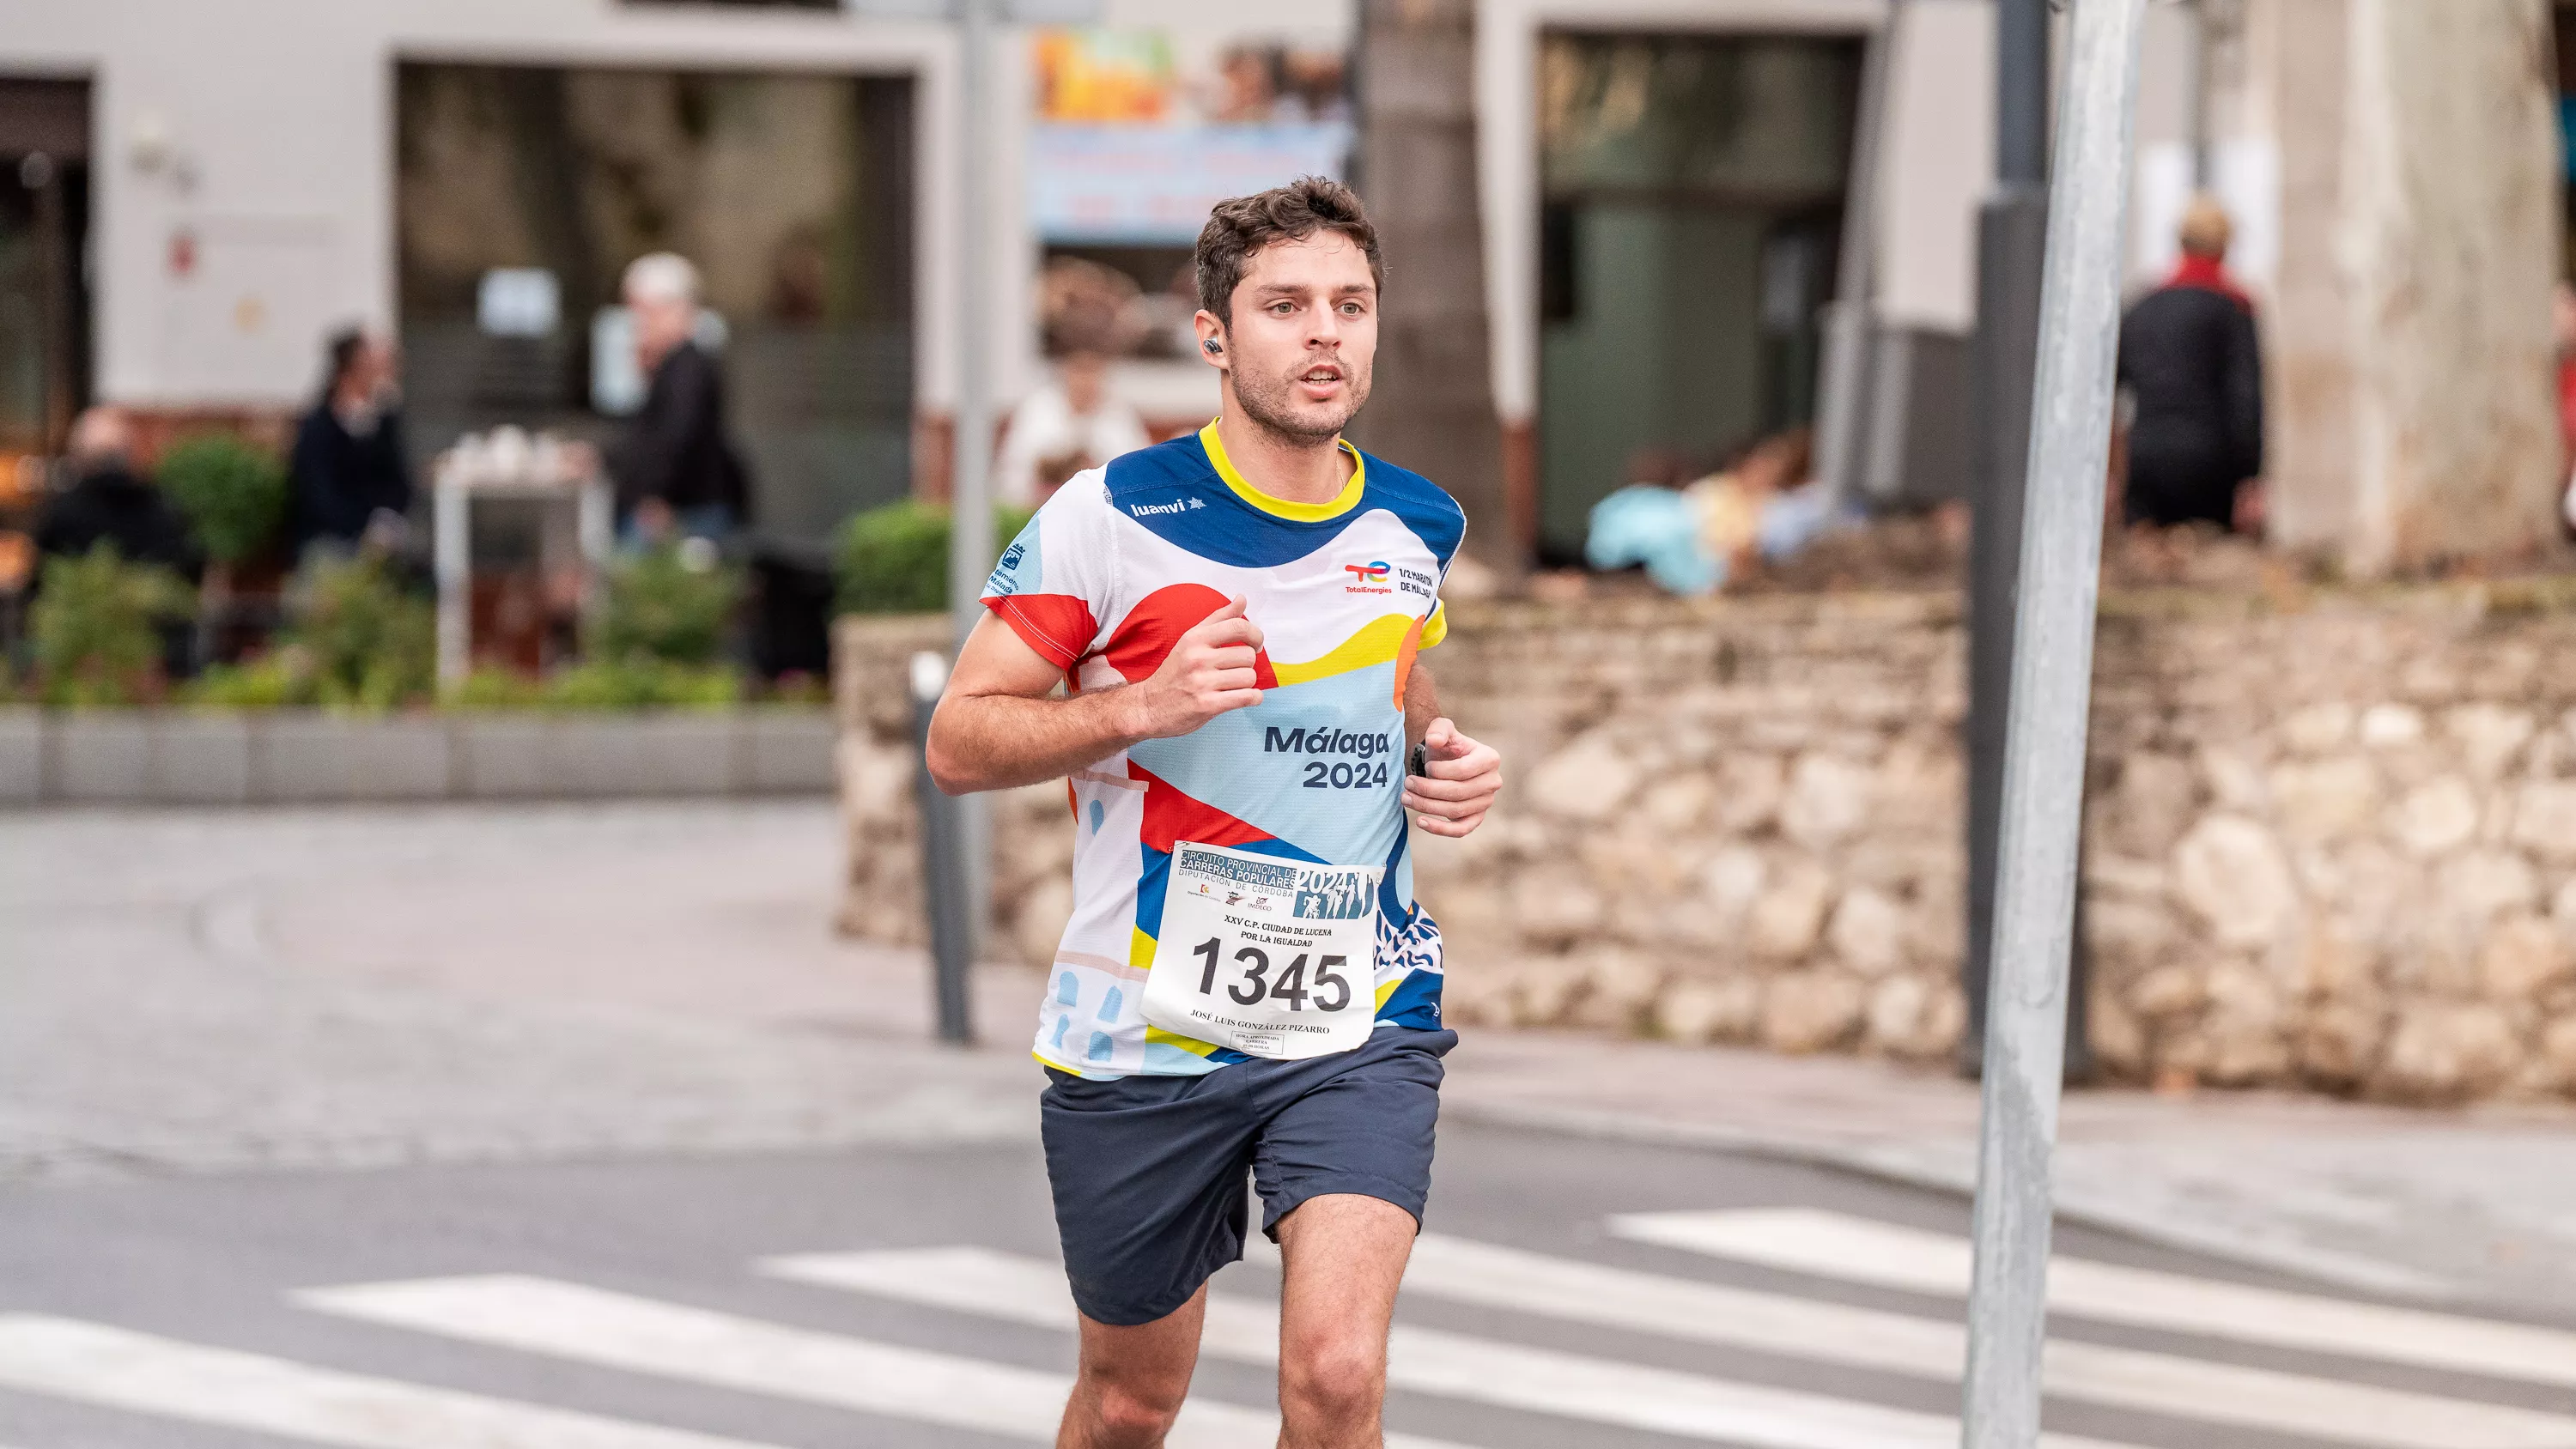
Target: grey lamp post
{"x":2058,"y":541}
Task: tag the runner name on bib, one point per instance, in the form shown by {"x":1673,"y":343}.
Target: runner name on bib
{"x":1270,"y":957}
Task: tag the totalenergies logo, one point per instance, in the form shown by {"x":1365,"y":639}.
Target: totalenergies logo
{"x":1367,"y":578}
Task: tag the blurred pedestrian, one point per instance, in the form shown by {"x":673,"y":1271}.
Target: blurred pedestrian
{"x":351,"y":480}
{"x":1070,"y":425}
{"x":2191,"y":360}
{"x":110,"y":502}
{"x":677,"y":474}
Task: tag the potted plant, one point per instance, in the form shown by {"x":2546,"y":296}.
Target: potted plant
{"x":233,"y":495}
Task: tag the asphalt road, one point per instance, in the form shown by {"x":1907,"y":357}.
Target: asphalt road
{"x":479,"y":1303}
{"x":575,"y":1128}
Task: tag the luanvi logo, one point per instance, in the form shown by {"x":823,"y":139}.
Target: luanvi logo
{"x":1146,"y":510}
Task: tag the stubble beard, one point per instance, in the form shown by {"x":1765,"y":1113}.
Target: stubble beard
{"x":1270,"y":402}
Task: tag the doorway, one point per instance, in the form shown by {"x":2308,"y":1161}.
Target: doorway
{"x":1692,"y":190}
{"x":44,"y":272}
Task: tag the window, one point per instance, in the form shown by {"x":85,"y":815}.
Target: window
{"x":523,"y":192}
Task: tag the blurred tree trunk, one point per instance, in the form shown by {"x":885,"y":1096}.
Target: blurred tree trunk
{"x":2417,"y":421}
{"x":2453,"y":206}
{"x":1432,"y":409}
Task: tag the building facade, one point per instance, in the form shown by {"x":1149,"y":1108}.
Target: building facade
{"x":1661,"y":185}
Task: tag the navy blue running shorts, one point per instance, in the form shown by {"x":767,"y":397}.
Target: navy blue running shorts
{"x":1149,"y":1171}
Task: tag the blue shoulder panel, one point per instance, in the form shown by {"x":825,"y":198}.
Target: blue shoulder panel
{"x":1423,"y":505}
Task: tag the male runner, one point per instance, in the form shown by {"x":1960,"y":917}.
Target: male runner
{"x":1232,"y":620}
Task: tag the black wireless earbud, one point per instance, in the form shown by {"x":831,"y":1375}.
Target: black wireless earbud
{"x":1212,"y":347}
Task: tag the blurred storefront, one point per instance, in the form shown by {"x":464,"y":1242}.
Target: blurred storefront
{"x":1134,"y":132}
{"x":1664,"y":184}
{"x":473,"y":176}
{"x":1661,"y":184}
{"x":522,"y":191}
{"x":1692,"y":192}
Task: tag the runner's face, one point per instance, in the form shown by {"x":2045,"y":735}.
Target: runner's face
{"x":1304,"y":336}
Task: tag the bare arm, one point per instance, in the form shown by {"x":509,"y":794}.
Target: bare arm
{"x":997,"y":725}
{"x":1465,"y":774}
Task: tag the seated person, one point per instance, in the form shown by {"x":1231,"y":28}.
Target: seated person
{"x":109,"y":502}
{"x":1071,"y":424}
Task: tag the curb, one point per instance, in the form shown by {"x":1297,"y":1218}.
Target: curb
{"x":2322,"y":1266}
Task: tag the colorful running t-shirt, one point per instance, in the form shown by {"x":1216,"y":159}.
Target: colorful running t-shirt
{"x":1103,"y":581}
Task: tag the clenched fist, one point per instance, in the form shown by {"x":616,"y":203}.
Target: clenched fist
{"x":1208,"y":672}
{"x":1464,"y":777}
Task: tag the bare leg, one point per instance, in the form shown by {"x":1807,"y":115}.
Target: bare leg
{"x":1344,"y":1255}
{"x":1132,"y":1380}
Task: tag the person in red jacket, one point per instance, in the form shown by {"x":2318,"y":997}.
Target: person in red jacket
{"x":2190,"y":358}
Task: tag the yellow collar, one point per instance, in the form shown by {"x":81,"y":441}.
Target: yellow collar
{"x":1347,"y":500}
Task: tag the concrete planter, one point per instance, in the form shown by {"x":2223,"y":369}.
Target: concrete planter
{"x":683,"y":753}
{"x":788,"y":752}
{"x":98,"y":757}
{"x":22,"y":756}
{"x":297,"y":757}
{"x":320,"y":757}
{"x":502,"y":757}
{"x":201,"y":759}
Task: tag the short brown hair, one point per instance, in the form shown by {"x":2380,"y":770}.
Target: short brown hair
{"x":1243,"y":225}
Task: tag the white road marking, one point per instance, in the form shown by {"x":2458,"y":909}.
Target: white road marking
{"x":1029,"y":1290}
{"x":1520,"y":1282}
{"x":1858,"y":1250}
{"x":120,"y":1369}
{"x":568,"y":1320}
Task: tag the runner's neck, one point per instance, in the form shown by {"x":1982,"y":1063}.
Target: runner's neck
{"x":1293,"y":470}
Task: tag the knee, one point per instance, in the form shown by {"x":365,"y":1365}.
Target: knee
{"x":1133,"y":1414}
{"x":1334,"y":1380}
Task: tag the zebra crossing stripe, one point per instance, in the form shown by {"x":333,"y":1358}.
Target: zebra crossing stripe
{"x":616,"y":1330}
{"x":1882,"y":1255}
{"x":120,"y":1369}
{"x":1507,"y":1278}
{"x":1508,"y":1375}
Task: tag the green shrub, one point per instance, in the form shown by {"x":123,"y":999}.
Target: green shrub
{"x":894,"y":560}
{"x":373,"y":645}
{"x":643,"y":684}
{"x":96,"y":627}
{"x":492,"y":687}
{"x":279,"y":679}
{"x":233,"y":494}
{"x":663,"y":605}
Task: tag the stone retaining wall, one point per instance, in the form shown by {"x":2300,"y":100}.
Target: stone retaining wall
{"x":2328,"y":839}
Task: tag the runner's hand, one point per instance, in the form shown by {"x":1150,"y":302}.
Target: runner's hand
{"x":1208,"y":672}
{"x":1465,"y":774}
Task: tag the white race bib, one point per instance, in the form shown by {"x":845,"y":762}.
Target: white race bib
{"x":1270,"y":957}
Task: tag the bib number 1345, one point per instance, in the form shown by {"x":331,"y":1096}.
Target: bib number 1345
{"x":1265,"y":956}
{"x":1251,"y":983}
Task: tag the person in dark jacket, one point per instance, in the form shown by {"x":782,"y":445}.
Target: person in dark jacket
{"x":676,"y":472}
{"x":2190,"y":358}
{"x":351,"y":480}
{"x":109,"y":502}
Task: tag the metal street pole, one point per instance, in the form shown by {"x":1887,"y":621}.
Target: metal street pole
{"x":2012,"y":234}
{"x":943,"y":894}
{"x":2052,"y":677}
{"x":970,"y":513}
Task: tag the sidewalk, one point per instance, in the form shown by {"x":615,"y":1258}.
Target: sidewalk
{"x":2475,"y":1206}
